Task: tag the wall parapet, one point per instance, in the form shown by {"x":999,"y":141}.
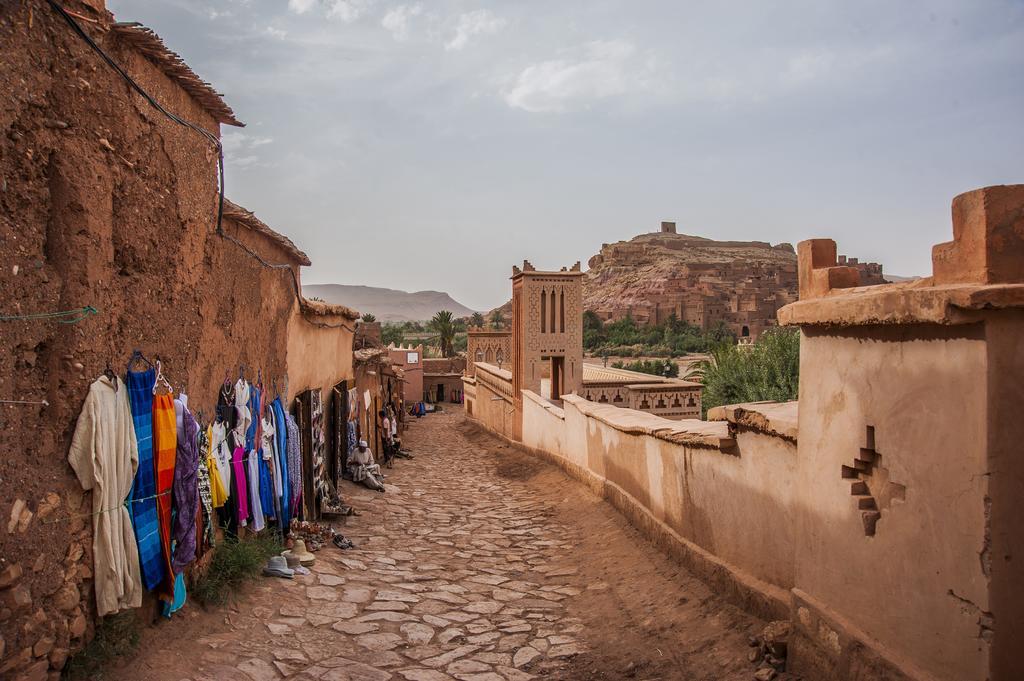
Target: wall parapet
{"x":498,"y":381}
{"x":690,"y":432}
{"x":778,"y":419}
{"x":548,"y":406}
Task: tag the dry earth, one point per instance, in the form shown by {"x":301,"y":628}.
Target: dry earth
{"x":480,"y":563}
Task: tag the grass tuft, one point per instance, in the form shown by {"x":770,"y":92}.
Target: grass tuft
{"x":116,"y":636}
{"x":234,"y":562}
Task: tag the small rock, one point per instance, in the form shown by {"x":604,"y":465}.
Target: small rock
{"x":18,"y":598}
{"x":754,"y":655}
{"x":9,"y":576}
{"x":67,"y":599}
{"x":524,"y":656}
{"x":766,"y":674}
{"x":43,"y":646}
{"x":58,"y":658}
{"x":77,"y":626}
{"x":16,"y":511}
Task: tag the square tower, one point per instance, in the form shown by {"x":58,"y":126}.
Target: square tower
{"x":547,"y":331}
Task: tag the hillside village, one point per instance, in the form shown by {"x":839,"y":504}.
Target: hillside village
{"x":214,"y":471}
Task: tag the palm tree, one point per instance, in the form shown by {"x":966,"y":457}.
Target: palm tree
{"x":476,"y":319}
{"x":369,"y":318}
{"x":497,"y":319}
{"x":443,"y":324}
{"x":767,"y":370}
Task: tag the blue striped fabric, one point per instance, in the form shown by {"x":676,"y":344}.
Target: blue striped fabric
{"x":143,"y":512}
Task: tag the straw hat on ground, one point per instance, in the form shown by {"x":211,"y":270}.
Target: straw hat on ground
{"x":299,"y":551}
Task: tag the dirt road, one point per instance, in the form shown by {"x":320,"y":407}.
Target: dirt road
{"x":480,"y":563}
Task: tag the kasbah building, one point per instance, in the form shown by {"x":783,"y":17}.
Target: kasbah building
{"x":870,"y":530}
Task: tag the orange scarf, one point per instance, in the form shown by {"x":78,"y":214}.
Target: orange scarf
{"x":165,"y":445}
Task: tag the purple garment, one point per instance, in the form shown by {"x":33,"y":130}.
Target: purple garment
{"x":186,"y":494}
{"x":294,"y":464}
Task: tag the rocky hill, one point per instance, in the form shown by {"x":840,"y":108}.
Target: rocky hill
{"x":388,"y":305}
{"x":704,"y":282}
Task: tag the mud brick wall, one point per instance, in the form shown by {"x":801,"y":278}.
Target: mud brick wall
{"x":103,"y":202}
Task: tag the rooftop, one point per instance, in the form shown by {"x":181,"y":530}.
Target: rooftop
{"x":596,"y":373}
{"x":246,"y":218}
{"x":146,"y":41}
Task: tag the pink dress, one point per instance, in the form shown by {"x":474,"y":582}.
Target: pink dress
{"x":243,"y":491}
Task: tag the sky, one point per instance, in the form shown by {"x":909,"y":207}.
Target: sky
{"x":432,"y":145}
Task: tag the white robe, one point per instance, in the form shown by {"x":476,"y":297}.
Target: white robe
{"x":105,"y":456}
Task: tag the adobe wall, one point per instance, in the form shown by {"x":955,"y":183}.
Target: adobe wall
{"x":130,"y":232}
{"x":927,"y":550}
{"x":489,"y":400}
{"x":319,"y":351}
{"x":720,"y":504}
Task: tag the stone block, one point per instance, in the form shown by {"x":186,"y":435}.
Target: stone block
{"x":10,"y":576}
{"x":818,"y":270}
{"x":988,"y":239}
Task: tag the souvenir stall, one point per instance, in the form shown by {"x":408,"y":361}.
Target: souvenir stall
{"x":170,"y":481}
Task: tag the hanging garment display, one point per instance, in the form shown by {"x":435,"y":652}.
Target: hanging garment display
{"x":294,"y":464}
{"x":252,"y":460}
{"x":165,"y":443}
{"x":218,"y":489}
{"x":105,"y":457}
{"x":186,"y":488}
{"x":271,"y":466}
{"x":239,"y":490}
{"x":281,"y":433}
{"x":143,"y":507}
{"x":205,"y":488}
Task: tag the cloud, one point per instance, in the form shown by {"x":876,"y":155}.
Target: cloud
{"x":275,"y":32}
{"x":347,"y":11}
{"x":301,"y":6}
{"x":241,"y":149}
{"x":477,"y":22}
{"x":602,"y":69}
{"x":397,"y":20}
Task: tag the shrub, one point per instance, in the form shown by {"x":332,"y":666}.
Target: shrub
{"x":234,"y":562}
{"x":768,"y":370}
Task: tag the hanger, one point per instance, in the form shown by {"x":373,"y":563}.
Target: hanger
{"x":137,"y":356}
{"x":109,"y":373}
{"x":160,"y":378}
{"x":241,"y":372}
{"x":259,"y":378}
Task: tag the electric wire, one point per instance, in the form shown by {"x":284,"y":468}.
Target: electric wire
{"x":213,"y":139}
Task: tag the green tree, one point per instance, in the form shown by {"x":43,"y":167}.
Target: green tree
{"x":443,"y":326}
{"x":497,"y":320}
{"x":393,"y":333}
{"x":768,"y":370}
{"x":476,"y":319}
{"x":368,"y":318}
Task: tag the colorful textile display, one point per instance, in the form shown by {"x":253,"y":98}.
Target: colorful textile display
{"x":143,"y":506}
{"x":205,"y":488}
{"x":105,"y":457}
{"x":186,"y":489}
{"x":240,"y":491}
{"x":218,"y":490}
{"x":281,"y":430}
{"x":294,"y":464}
{"x":165,"y":444}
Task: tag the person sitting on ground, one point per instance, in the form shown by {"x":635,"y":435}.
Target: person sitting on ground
{"x":363,"y":468}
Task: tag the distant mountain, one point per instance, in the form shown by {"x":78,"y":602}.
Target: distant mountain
{"x":388,"y":305}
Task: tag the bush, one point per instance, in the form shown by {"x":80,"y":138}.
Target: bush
{"x":768,"y":370}
{"x":115,"y":636}
{"x":655,"y":367}
{"x":234,"y":562}
{"x":671,"y":338}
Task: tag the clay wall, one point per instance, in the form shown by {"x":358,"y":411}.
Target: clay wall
{"x":106,"y":203}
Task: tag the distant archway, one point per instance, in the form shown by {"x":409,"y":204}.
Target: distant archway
{"x":745,"y":332}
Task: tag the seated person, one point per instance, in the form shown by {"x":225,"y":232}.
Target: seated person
{"x":363,"y":469}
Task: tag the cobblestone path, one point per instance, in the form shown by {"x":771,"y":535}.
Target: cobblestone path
{"x":480,"y":563}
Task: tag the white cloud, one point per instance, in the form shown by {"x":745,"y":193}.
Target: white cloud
{"x":477,"y":22}
{"x":602,"y":69}
{"x":808,"y":65}
{"x":301,"y":6}
{"x":347,"y":11}
{"x":397,"y":20}
{"x":241,"y":149}
{"x":275,"y":32}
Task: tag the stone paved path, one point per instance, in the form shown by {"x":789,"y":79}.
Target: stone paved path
{"x":478,"y":564}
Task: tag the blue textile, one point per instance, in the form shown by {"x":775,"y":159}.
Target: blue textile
{"x":281,"y":428}
{"x":143,"y":511}
{"x":254,"y":412}
{"x":266,"y":488}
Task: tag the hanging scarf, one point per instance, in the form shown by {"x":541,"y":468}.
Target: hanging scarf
{"x":205,"y":489}
{"x":281,"y":429}
{"x":294,"y":463}
{"x":165,"y":445}
{"x":143,"y":505}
